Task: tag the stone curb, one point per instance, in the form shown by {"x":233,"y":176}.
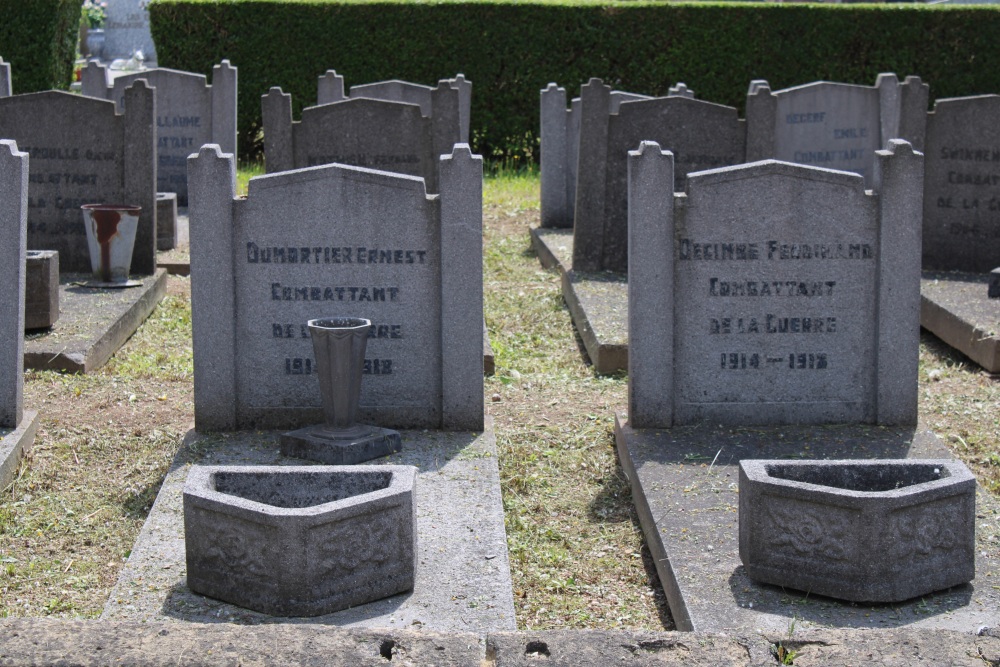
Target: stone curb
{"x":35,"y":641}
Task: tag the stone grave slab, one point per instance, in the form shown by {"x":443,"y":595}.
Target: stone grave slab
{"x":954,"y":306}
{"x":684,"y":482}
{"x":338,"y":241}
{"x":93,"y":323}
{"x":364,"y":132}
{"x":961,"y":188}
{"x":701,"y":134}
{"x":330,"y":88}
{"x":189,"y":114}
{"x":597,"y":302}
{"x":835,"y":125}
{"x":127,"y":30}
{"x":462,"y":578}
{"x":83,"y":152}
{"x":17,"y":425}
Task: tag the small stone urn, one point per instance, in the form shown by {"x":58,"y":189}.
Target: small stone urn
{"x":111,"y":230}
{"x":339,"y":345}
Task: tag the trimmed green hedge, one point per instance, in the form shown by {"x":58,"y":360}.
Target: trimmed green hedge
{"x":510,"y":50}
{"x":38,"y":38}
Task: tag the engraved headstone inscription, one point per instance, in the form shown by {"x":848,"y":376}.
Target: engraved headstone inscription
{"x":962,"y":185}
{"x":330,"y":89}
{"x":774,"y":293}
{"x":560,"y":149}
{"x":835,"y":125}
{"x":83,"y":152}
{"x":127,"y":30}
{"x":363,"y":132}
{"x":336,"y":241}
{"x":189,"y":114}
{"x":702,"y":135}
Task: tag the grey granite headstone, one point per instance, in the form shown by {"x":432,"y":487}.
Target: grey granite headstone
{"x":330,"y":89}
{"x":189,"y":114}
{"x":83,"y":152}
{"x":337,"y":240}
{"x":363,"y":132}
{"x":774,"y":293}
{"x":5,"y":83}
{"x":13,"y":237}
{"x":962,"y":185}
{"x":560,"y":150}
{"x":993,"y":291}
{"x":127,"y":30}
{"x":835,"y":125}
{"x":701,"y":134}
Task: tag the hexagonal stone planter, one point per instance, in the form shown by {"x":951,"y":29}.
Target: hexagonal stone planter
{"x":300,"y":540}
{"x":859,"y":530}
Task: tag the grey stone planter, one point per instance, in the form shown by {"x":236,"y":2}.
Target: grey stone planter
{"x":300,"y":540}
{"x":859,"y":530}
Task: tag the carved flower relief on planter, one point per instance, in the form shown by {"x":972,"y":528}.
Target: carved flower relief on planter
{"x":808,"y":535}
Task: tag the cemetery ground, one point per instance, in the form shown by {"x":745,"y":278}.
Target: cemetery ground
{"x":577,"y":555}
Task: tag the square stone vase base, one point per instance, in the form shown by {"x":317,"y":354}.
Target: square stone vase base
{"x":13,"y":443}
{"x":956,"y":308}
{"x":684,"y":484}
{"x":462,"y":578}
{"x":304,"y":443}
{"x":93,"y":323}
{"x":597,"y":302}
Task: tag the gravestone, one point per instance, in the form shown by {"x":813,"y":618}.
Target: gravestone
{"x":560,"y":148}
{"x":189,"y":114}
{"x":774,"y":293}
{"x":330,"y":88}
{"x":126,"y":30}
{"x":701,"y":134}
{"x":5,"y":81}
{"x":337,"y":241}
{"x":962,"y":185}
{"x":83,"y":152}
{"x":17,"y":426}
{"x":835,"y":125}
{"x":363,"y":132}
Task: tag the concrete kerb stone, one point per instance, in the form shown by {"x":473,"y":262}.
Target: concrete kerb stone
{"x":43,"y":641}
{"x":597,"y":302}
{"x":956,"y":308}
{"x":14,"y":443}
{"x":93,"y":325}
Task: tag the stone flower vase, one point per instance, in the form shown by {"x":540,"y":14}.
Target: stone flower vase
{"x":339,"y":344}
{"x":95,"y":42}
{"x":111,"y":230}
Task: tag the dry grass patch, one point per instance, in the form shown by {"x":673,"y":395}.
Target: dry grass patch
{"x":577,"y":554}
{"x":105,"y":441}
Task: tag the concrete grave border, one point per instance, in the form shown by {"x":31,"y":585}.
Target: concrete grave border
{"x":955,"y":307}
